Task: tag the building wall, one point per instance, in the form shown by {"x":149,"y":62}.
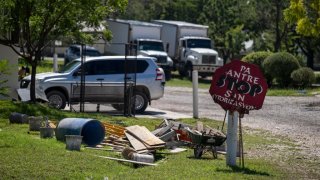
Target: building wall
{"x":13,"y":84}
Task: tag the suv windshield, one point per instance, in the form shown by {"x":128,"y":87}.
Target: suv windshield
{"x":69,"y":67}
{"x":151,"y":45}
{"x":199,"y":43}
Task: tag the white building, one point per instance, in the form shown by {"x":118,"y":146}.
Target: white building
{"x":8,"y":54}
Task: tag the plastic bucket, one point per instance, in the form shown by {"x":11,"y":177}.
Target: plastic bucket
{"x":46,"y":132}
{"x":92,"y":130}
{"x":35,"y":123}
{"x":73,"y":142}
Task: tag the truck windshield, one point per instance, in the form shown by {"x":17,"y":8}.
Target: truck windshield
{"x":150,"y":45}
{"x":199,"y":43}
{"x":69,"y":67}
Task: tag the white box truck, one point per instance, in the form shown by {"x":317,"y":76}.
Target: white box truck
{"x":189,"y":47}
{"x":145,"y":40}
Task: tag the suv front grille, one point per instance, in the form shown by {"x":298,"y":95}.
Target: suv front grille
{"x":24,"y":84}
{"x":161,"y":59}
{"x":209,"y":59}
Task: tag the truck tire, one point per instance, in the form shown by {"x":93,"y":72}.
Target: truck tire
{"x":182,"y":73}
{"x":167,"y":74}
{"x":189,"y":70}
{"x":57,"y":99}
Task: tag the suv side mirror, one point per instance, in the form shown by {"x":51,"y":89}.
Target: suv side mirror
{"x":77,"y":72}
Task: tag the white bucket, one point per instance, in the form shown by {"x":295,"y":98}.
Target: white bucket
{"x":73,"y":142}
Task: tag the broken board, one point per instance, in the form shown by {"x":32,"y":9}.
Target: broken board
{"x":144,"y":135}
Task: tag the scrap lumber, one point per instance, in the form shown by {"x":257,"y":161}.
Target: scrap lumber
{"x":199,"y":126}
{"x":135,"y":143}
{"x":164,"y":130}
{"x":112,"y":129}
{"x":144,"y":135}
{"x":125,"y":160}
{"x":213,"y":132}
{"x":168,"y":136}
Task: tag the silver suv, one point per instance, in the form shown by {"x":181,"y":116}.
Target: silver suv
{"x":104,"y":81}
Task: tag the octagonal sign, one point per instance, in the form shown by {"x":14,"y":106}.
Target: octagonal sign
{"x":239,"y":86}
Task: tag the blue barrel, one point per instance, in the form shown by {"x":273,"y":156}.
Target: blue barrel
{"x":92,"y":130}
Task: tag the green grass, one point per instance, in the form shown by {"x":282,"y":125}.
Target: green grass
{"x":25,"y":156}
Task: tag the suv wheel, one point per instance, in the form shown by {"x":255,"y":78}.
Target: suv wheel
{"x":140,"y":105}
{"x":141,"y":102}
{"x":57,"y":99}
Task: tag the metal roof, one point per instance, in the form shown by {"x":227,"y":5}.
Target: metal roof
{"x":134,"y":22}
{"x":180,"y":23}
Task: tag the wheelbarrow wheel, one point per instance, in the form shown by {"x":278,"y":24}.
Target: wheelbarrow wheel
{"x":214,"y":152}
{"x":198,"y":150}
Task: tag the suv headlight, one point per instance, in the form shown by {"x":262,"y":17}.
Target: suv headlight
{"x":24,"y":83}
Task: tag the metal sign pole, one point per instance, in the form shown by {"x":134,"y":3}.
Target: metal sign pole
{"x":82,"y":78}
{"x":232,"y":138}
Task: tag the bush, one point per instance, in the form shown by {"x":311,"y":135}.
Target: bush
{"x":258,"y":58}
{"x":280,"y":66}
{"x":302,"y":60}
{"x":303,"y":77}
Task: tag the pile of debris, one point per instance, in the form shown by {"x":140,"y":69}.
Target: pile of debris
{"x":138,"y":145}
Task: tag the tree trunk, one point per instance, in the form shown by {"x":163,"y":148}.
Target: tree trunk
{"x":277,"y":43}
{"x":33,"y":80}
{"x":310,"y":57}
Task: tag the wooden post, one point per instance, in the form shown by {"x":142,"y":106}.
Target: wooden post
{"x":195,"y":94}
{"x":232,"y":138}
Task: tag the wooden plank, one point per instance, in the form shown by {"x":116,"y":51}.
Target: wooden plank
{"x":125,"y":160}
{"x":144,"y":135}
{"x":199,"y":126}
{"x":135,"y":143}
{"x":112,"y":145}
{"x":151,"y":139}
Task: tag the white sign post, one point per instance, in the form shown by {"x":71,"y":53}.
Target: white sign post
{"x":55,"y":55}
{"x":232,"y":138}
{"x":195,"y":94}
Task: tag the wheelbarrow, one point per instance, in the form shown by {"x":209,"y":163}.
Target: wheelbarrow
{"x":203,"y":143}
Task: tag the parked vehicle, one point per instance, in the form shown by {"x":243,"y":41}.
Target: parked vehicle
{"x":104,"y":81}
{"x":73,"y":52}
{"x":189,"y":47}
{"x":145,"y":38}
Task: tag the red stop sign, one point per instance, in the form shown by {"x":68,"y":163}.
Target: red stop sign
{"x":239,"y":86}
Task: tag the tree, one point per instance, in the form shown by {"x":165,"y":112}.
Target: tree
{"x":34,"y":23}
{"x":228,"y":23}
{"x":305,"y":16}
